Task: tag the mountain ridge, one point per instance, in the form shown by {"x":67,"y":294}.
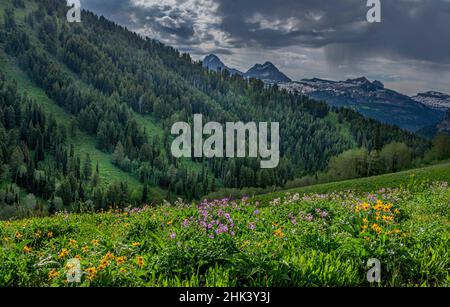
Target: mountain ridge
{"x":214,"y":63}
{"x":371,"y":98}
{"x":266,"y":72}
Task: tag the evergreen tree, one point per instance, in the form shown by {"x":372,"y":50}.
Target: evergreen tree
{"x":144,"y":197}
{"x":87,"y":167}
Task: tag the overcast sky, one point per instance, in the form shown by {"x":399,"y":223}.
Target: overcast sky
{"x":409,"y":50}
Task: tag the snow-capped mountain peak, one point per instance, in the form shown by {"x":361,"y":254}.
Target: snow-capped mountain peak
{"x":359,"y":81}
{"x":433,"y":99}
{"x":369,"y":98}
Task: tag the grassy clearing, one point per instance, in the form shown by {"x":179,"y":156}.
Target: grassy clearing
{"x":148,"y":123}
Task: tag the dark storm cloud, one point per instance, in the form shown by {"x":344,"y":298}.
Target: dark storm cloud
{"x":290,"y":22}
{"x":161,"y":20}
{"x":411,"y":29}
{"x":111,"y":8}
{"x":409,"y":49}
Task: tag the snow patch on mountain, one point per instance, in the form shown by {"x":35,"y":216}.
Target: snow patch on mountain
{"x":434,"y":100}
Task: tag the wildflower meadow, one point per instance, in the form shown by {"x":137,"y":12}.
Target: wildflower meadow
{"x":295,"y":240}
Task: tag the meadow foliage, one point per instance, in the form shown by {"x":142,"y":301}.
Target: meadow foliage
{"x":294,"y":240}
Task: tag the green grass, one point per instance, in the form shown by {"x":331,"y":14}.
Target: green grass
{"x":438,"y":172}
{"x":148,"y":123}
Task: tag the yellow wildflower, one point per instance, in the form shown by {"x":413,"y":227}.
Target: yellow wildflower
{"x":50,"y":234}
{"x":92,"y":272}
{"x":109,"y":256}
{"x":85,"y":249}
{"x":136,"y":244}
{"x":140,"y":261}
{"x":64,"y":252}
{"x":376,"y":228}
{"x":387,"y":208}
{"x":18,"y":235}
{"x":388,"y":218}
{"x":279,"y":233}
{"x":121,"y":260}
{"x":53,"y":274}
{"x":27,"y":249}
{"x":365,"y":206}
{"x":103,"y":264}
{"x":94,"y":242}
{"x":379,"y":206}
{"x":72,"y":242}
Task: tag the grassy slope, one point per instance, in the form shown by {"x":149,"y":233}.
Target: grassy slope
{"x":438,"y":172}
{"x":83,"y":142}
{"x":157,"y":247}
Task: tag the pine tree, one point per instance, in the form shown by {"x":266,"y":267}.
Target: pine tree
{"x":87,"y":167}
{"x":144,"y":194}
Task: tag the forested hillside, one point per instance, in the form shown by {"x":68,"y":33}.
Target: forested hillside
{"x":81,"y":100}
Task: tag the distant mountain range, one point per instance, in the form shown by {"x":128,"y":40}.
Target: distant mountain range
{"x":438,"y":101}
{"x":434,"y":100}
{"x":371,"y":99}
{"x":266,"y":72}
